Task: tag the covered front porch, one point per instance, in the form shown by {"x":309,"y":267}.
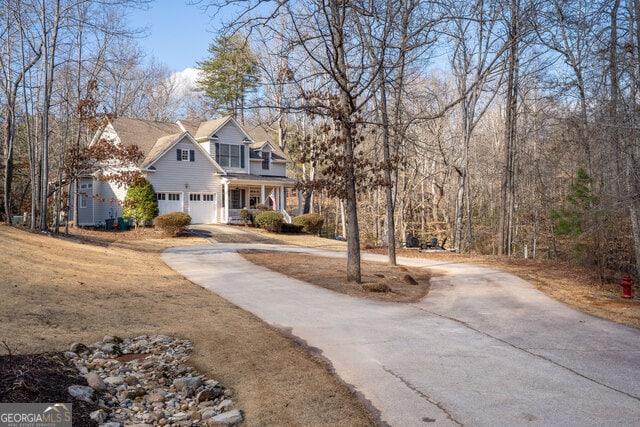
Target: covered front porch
{"x":249,"y":191}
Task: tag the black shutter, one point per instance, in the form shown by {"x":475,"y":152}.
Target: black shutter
{"x":217,"y":153}
{"x":242,"y":156}
{"x":192,"y":155}
{"x":242,"y":197}
{"x":179,"y":155}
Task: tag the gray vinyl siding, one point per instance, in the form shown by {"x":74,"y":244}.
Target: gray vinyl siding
{"x":173,"y":176}
{"x":97,"y":211}
{"x":275,"y":169}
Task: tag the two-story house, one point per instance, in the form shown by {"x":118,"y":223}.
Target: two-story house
{"x":209,"y":170}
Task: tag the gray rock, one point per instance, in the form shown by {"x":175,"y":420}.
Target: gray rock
{"x":224,"y":405}
{"x":70,"y":355}
{"x":143,"y":391}
{"x":180,"y":416}
{"x":187,"y":382}
{"x":95,"y":382}
{"x":78,"y":347}
{"x":208,"y":394}
{"x":98,"y":416}
{"x":111,"y":424}
{"x":207,"y":413}
{"x":131,"y":380}
{"x":156,"y":397}
{"x":111,"y":348}
{"x":81,"y":392}
{"x":114,"y":380}
{"x":226,"y":418}
{"x":152,"y":417}
{"x":211,"y":383}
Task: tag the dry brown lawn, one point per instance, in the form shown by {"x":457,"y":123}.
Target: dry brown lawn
{"x":56,"y":291}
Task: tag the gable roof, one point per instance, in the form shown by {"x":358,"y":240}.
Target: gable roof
{"x":208,"y":128}
{"x":161,"y":146}
{"x":143,"y":133}
{"x":262,"y":137}
{"x":276,"y":152}
{"x":156,"y":138}
{"x":190,"y":126}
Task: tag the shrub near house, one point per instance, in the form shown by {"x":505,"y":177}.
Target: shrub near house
{"x":141,"y":203}
{"x":270,"y":221}
{"x":172,"y":224}
{"x":310,"y":223}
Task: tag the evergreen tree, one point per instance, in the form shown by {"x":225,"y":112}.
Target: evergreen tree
{"x":574,"y":220}
{"x":141,"y":203}
{"x":229,"y":74}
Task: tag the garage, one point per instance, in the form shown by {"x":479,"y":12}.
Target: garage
{"x":202,"y":208}
{"x":169,"y":202}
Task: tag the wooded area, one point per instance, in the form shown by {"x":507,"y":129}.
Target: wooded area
{"x":505,"y":126}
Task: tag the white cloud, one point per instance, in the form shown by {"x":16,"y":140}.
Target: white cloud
{"x":185,"y":81}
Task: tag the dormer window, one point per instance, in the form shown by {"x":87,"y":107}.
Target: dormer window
{"x":266,"y":159}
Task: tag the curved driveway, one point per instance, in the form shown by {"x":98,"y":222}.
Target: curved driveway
{"x":484,"y":348}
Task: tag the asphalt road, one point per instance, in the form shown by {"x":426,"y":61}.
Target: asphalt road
{"x":484,"y":348}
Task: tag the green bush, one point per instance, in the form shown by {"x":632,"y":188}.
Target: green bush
{"x":172,"y":224}
{"x":270,"y":221}
{"x":311,"y":223}
{"x":141,"y":203}
{"x":291,"y":228}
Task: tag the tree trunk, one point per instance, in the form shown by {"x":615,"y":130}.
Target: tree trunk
{"x":505,"y":232}
{"x":8,"y":161}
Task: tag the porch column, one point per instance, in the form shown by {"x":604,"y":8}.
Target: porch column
{"x":225,"y":211}
{"x":283,"y":201}
{"x":262,"y":194}
{"x":299,"y":202}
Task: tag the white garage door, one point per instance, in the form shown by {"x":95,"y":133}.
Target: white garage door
{"x":169,"y":202}
{"x":202,"y":208}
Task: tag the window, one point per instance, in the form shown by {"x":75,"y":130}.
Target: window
{"x":85,"y":190}
{"x":266,"y":159}
{"x":168,"y":196}
{"x":201,"y":197}
{"x":185,"y":155}
{"x":236,"y":199}
{"x":230,"y":156}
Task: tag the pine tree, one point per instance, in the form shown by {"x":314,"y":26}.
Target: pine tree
{"x":229,"y":75}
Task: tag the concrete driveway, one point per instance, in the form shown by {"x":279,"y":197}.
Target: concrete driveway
{"x":484,"y":348}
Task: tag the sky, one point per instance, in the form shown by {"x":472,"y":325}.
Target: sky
{"x":179,"y":34}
